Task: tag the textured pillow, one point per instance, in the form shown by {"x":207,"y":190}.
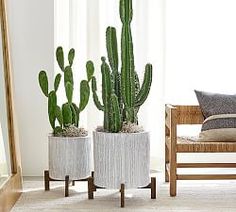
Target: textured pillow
{"x":213,"y":103}
{"x":219,"y":128}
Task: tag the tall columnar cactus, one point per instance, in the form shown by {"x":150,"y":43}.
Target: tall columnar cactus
{"x":69,"y":113}
{"x":110,"y":107}
{"x":122,"y":94}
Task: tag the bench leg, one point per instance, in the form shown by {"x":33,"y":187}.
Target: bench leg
{"x":173,"y":172}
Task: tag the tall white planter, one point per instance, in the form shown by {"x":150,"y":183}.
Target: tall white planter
{"x":121,"y":158}
{"x":69,"y":156}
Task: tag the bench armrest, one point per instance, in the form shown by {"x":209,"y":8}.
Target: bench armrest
{"x":180,"y":114}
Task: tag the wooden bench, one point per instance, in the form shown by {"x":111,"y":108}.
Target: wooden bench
{"x":176,"y":115}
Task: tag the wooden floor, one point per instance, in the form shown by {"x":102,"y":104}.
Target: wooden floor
{"x":192,"y":196}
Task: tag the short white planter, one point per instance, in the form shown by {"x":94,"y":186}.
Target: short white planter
{"x":121,"y":158}
{"x":69,"y":156}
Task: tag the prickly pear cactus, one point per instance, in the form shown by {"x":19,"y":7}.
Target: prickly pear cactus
{"x":68,"y":114}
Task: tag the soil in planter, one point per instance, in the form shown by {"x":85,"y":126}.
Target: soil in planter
{"x":126,"y":128}
{"x":72,"y":131}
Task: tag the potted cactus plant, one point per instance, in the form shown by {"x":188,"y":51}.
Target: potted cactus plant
{"x":69,"y":145}
{"x":121,"y":146}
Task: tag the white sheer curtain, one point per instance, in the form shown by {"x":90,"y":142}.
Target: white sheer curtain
{"x":200,"y":48}
{"x":200,"y":54}
{"x":82,"y":24}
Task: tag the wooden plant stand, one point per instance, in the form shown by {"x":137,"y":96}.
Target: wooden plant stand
{"x":67,"y":180}
{"x":92,"y":187}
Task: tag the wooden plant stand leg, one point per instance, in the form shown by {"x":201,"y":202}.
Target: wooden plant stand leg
{"x":90,"y":187}
{"x":122,"y":192}
{"x":153,"y":188}
{"x":46,"y":180}
{"x":67,"y":182}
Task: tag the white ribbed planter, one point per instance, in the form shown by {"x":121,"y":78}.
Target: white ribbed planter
{"x":69,"y":156}
{"x":121,"y":158}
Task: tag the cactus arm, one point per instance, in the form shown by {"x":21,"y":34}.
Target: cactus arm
{"x":116,"y":116}
{"x":111,"y":44}
{"x":127,"y":58}
{"x":74,"y":115}
{"x":59,"y":116}
{"x":52,"y":104}
{"x":57,"y":130}
{"x":68,"y":75}
{"x":77,"y":113}
{"x":43,"y":82}
{"x":106,"y":93}
{"x":126,"y":12}
{"x":84,"y":94}
{"x":90,"y":70}
{"x":97,"y":102}
{"x":146,"y":85}
{"x":95,"y":96}
{"x":57,"y":82}
{"x":69,"y":92}
{"x":127,"y":69}
{"x":67,"y":114}
{"x":137,"y":83}
{"x":71,"y":56}
{"x":137,"y":89}
{"x":112,"y":52}
{"x":60,"y":57}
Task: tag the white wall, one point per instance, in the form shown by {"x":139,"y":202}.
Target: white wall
{"x":31,"y":27}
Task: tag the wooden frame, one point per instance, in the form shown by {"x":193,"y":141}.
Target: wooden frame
{"x":11,"y":190}
{"x":92,"y":188}
{"x":176,"y":115}
{"x":67,"y":181}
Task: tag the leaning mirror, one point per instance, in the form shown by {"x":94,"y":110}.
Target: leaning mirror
{"x":4,"y":137}
{"x":10,"y":166}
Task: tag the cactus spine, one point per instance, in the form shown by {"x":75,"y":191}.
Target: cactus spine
{"x":122,"y":94}
{"x":69,"y":113}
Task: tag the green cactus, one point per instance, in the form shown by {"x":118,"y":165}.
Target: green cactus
{"x":122,"y":94}
{"x":43,"y":82}
{"x":116,"y":123}
{"x":71,"y":56}
{"x":68,"y":75}
{"x":69,"y":92}
{"x":57,"y":82}
{"x":89,"y":70}
{"x":52,"y":105}
{"x":69,"y":113}
{"x":144,"y":90}
{"x":59,"y":116}
{"x":95,"y":96}
{"x":60,"y":57}
{"x":84,"y":94}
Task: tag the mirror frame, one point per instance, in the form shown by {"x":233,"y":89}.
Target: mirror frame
{"x":11,"y":190}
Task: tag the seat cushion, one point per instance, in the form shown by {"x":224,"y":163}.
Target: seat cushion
{"x":193,"y":144}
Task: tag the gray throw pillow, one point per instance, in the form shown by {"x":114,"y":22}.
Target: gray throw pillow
{"x":214,"y":104}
